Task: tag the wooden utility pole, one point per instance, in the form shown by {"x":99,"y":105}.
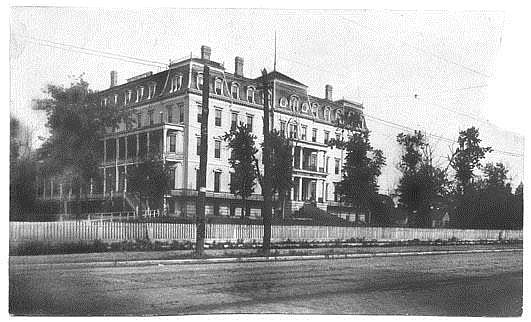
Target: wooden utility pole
{"x":203,"y":154}
{"x":266,"y":160}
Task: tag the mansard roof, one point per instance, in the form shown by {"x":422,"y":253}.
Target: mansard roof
{"x":278,"y":75}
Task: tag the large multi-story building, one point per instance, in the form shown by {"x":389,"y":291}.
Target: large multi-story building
{"x":166,"y":111}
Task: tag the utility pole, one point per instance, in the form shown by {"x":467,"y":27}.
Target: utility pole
{"x":266,"y":160}
{"x":203,"y":154}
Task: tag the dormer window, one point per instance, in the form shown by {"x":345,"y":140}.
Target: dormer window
{"x":139,"y":93}
{"x":250,"y":94}
{"x":315,"y":110}
{"x":327,"y":114}
{"x":104,"y":102}
{"x":176,"y":83}
{"x":283,"y":102}
{"x":235,"y":91}
{"x":127,"y":97}
{"x":199,"y":81}
{"x":294,"y":103}
{"x":304,"y":107}
{"x":218,"y":86}
{"x":151,"y":90}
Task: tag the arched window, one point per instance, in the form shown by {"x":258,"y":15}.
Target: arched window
{"x":294,"y":103}
{"x":176,"y":83}
{"x":199,"y":81}
{"x":283,"y":102}
{"x":250,"y":94}
{"x":315,"y":110}
{"x":327,"y":113}
{"x":235,"y":91}
{"x":218,"y":86}
{"x":304,"y":107}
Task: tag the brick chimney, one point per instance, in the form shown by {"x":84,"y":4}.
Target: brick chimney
{"x":114,"y":78}
{"x":205,"y":52}
{"x":328,"y":92}
{"x":238,"y":66}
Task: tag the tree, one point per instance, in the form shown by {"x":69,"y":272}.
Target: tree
{"x":22,"y":173}
{"x":467,"y":157}
{"x":243,"y":149}
{"x":489,"y":202}
{"x":281,"y":166}
{"x":422,"y":183}
{"x":151,"y":180}
{"x":76,"y":121}
{"x":363,"y":164}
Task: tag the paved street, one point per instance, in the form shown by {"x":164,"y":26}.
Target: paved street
{"x":467,"y":284}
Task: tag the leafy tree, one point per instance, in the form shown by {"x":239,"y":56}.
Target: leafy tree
{"x":76,"y":121}
{"x":363,"y":164}
{"x":22,"y":173}
{"x":243,"y":150}
{"x":421,"y":183}
{"x":281,"y":165}
{"x":467,"y":157}
{"x":151,"y":180}
{"x":489,"y":203}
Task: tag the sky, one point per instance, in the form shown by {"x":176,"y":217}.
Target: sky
{"x":436,"y":71}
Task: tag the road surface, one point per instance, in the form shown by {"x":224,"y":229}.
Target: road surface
{"x":484,"y":284}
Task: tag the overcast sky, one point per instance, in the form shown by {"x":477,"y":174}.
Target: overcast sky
{"x":432,"y":71}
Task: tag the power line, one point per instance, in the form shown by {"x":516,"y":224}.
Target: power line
{"x":434,"y":55}
{"x":448,"y":140}
{"x":93,"y":52}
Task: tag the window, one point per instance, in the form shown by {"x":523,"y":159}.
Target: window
{"x":150,"y":117}
{"x":303,"y":132}
{"x":199,"y":81}
{"x":161,"y":117}
{"x":250,"y":122}
{"x":173,"y":142}
{"x":233,"y":120}
{"x":314,"y":135}
{"x":180,"y":112}
{"x":176,"y":83}
{"x":327,"y":114}
{"x":294,"y":103}
{"x":315,"y":109}
{"x":170,"y":114}
{"x":199,"y":113}
{"x":218,"y":117}
{"x":282,"y":128}
{"x":115,"y":99}
{"x":326,"y":164}
{"x":304,"y":107}
{"x":326,"y":137}
{"x":250,"y":94}
{"x":336,"y":169}
{"x":127,"y":97}
{"x":151,"y":90}
{"x":293,"y":131}
{"x":338,"y":137}
{"x":139,"y":120}
{"x":234,"y":90}
{"x":217,"y":177}
{"x":104,"y":102}
{"x":139,"y":93}
{"x":218,"y":86}
{"x":217,"y":149}
{"x":198,"y":146}
{"x":283,"y":102}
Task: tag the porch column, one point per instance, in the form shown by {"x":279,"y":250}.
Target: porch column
{"x":137,"y":144}
{"x":147,"y":134}
{"x":104,"y":151}
{"x":104,"y":181}
{"x":300,"y":158}
{"x":117,"y":175}
{"x":293,"y":154}
{"x":164,"y":139}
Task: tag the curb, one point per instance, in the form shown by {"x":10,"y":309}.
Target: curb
{"x":139,"y":263}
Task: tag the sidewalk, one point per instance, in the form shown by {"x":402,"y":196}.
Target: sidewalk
{"x":240,"y":255}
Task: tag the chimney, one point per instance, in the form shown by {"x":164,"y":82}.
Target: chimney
{"x":238,"y":66}
{"x":114,"y":78}
{"x":205,"y":52}
{"x":328,"y":92}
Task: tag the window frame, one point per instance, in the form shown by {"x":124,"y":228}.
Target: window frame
{"x":217,"y":149}
{"x":216,"y":111}
{"x":232,"y":87}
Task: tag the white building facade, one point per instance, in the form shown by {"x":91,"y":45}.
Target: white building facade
{"x":165,"y":109}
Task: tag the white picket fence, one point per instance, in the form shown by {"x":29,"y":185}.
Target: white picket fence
{"x":69,"y":231}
